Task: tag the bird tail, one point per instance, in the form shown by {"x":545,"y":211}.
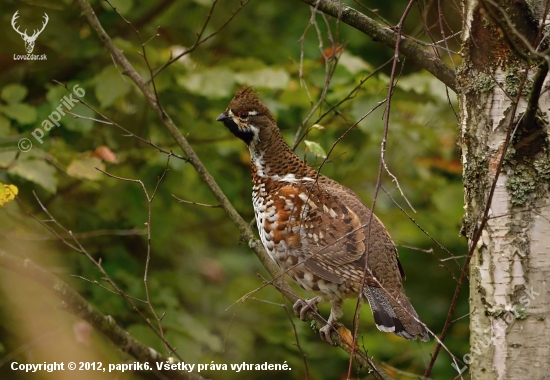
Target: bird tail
{"x":399,"y":318}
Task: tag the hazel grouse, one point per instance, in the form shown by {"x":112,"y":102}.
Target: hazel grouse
{"x":316,"y":229}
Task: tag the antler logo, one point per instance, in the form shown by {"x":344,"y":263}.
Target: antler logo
{"x":29,"y":40}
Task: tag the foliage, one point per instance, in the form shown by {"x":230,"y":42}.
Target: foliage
{"x":7,"y":194}
{"x":199,"y":269}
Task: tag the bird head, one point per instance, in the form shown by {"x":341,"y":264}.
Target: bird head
{"x":246,"y":116}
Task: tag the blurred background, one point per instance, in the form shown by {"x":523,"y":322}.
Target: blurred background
{"x":199,"y":268}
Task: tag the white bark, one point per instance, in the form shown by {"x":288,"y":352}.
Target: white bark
{"x":509,"y":295}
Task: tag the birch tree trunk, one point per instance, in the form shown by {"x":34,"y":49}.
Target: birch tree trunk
{"x":502,"y":80}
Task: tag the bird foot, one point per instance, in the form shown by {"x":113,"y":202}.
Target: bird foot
{"x":325,"y":334}
{"x":327,"y":329}
{"x":301,"y":307}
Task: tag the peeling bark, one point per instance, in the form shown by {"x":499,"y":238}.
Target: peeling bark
{"x":509,"y":295}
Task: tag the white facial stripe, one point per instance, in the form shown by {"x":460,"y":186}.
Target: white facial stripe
{"x":250,"y":113}
{"x":245,"y":126}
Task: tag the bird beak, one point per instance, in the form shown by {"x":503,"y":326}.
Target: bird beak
{"x":222,"y":117}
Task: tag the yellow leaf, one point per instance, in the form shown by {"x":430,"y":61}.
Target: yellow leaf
{"x":346,"y":337}
{"x":7,"y":193}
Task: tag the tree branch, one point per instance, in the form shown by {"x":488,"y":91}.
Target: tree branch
{"x":75,"y":304}
{"x":415,"y":52}
{"x":533,"y":101}
{"x":245,"y":230}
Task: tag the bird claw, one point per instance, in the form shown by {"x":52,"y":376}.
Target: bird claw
{"x":325,"y":334}
{"x":301,"y":307}
{"x":327,"y":329}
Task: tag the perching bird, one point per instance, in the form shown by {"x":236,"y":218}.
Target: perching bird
{"x":316,"y":229}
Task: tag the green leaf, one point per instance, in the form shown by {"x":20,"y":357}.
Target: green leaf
{"x":276,"y":79}
{"x":55,"y":94}
{"x":353,"y":63}
{"x":425,"y":84}
{"x":4,"y":126}
{"x":6,"y":158}
{"x":78,"y":124}
{"x":86,"y":168}
{"x":211,"y":83}
{"x":123,"y":6}
{"x":315,"y":148}
{"x":145,"y":335}
{"x":195,"y":329}
{"x":109,"y":86}
{"x":206,"y":3}
{"x":245,"y":64}
{"x":38,"y":172}
{"x":13,"y":93}
{"x":22,"y":113}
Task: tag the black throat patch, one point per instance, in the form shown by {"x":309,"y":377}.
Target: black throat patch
{"x":245,"y":135}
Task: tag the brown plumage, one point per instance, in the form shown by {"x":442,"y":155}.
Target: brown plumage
{"x":316,"y":229}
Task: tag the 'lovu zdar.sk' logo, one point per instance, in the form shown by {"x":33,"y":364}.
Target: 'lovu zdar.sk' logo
{"x":29,"y":40}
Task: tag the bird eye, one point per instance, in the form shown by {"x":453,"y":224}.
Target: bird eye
{"x":243,"y":115}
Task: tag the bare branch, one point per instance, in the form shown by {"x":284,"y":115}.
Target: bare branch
{"x":75,"y":304}
{"x":366,"y":270}
{"x":200,"y":40}
{"x":244,"y":228}
{"x":108,"y":121}
{"x":415,"y":52}
{"x":150,"y":198}
{"x":194,"y":203}
{"x":78,"y":247}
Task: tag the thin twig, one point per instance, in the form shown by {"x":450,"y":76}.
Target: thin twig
{"x":195,"y":203}
{"x":108,"y":121}
{"x":330,"y":66}
{"x":77,"y":305}
{"x":366,"y":269}
{"x":149,"y":199}
{"x":200,"y":40}
{"x":78,"y":235}
{"x":244,"y":228}
{"x":78,"y":247}
{"x":416,"y":53}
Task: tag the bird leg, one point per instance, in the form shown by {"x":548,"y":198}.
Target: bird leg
{"x":301,"y":307}
{"x":335,"y":313}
